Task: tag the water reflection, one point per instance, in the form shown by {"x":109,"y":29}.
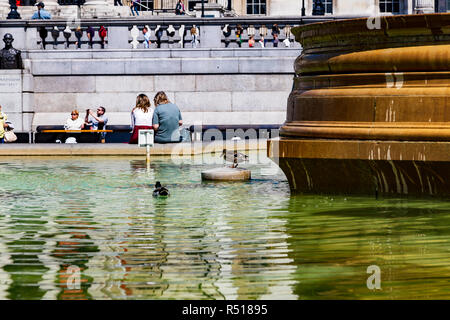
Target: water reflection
{"x":74,"y":248}
{"x":22,"y":252}
{"x":139,"y":257}
{"x":246,"y":240}
{"x":335,"y":240}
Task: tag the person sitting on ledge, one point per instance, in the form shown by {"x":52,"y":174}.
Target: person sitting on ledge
{"x":72,"y":123}
{"x":41,"y":13}
{"x":141,"y":117}
{"x":3,"y":125}
{"x":97,"y":121}
{"x":166,"y":120}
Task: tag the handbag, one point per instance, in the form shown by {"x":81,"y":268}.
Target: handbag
{"x":10,"y":136}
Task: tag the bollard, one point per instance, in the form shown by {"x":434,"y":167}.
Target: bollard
{"x":146,"y":139}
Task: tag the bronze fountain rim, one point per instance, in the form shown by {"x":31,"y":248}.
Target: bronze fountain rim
{"x":399,"y":131}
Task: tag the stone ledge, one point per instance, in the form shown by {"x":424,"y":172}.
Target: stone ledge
{"x":160,"y":53}
{"x":123,"y":149}
{"x":162,"y":66}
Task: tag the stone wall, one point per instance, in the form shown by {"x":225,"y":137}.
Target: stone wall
{"x":211,"y":86}
{"x":11,"y":99}
{"x":207,"y":99}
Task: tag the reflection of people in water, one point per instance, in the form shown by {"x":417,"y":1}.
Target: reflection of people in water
{"x":74,"y":254}
{"x":143,"y":261}
{"x":139,"y":165}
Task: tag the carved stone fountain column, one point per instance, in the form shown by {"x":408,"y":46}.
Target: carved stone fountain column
{"x":368,"y":113}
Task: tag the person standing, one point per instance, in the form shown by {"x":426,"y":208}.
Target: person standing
{"x":90,"y":32}
{"x":275,"y":29}
{"x":3,"y":125}
{"x":102,"y":33}
{"x":41,"y":13}
{"x":134,"y":6}
{"x":275,"y":35}
{"x":141,"y":117}
{"x":166,"y":120}
{"x":275,"y":40}
{"x":78,"y":35}
{"x":179,"y":8}
{"x":262,"y":42}
{"x":147,"y":41}
{"x":239,"y":32}
{"x":251,"y":41}
{"x":194,"y":37}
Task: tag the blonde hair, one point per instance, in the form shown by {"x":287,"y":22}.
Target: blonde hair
{"x":142,"y":102}
{"x":75,"y":111}
{"x":160,"y":98}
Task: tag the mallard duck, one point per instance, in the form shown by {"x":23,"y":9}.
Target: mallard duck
{"x":234,"y":157}
{"x":160,"y":190}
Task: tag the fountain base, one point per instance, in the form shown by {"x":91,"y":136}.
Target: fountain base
{"x":227,"y":174}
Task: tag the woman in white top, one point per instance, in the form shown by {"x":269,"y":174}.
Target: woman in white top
{"x":141,"y":117}
{"x":74,"y":122}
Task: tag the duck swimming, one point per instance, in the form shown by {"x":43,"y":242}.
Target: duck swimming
{"x":160,"y":190}
{"x":234,"y":157}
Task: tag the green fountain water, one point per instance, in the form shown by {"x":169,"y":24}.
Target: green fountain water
{"x":244,"y":240}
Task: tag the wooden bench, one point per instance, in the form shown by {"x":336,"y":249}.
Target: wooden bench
{"x":49,"y":133}
{"x":23,"y":136}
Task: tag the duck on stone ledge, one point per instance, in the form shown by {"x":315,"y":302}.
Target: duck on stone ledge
{"x":234,"y":157}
